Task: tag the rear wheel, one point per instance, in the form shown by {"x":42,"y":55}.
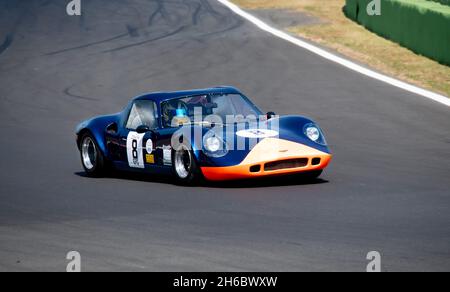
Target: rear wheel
{"x":91,"y":156}
{"x":184,"y":166}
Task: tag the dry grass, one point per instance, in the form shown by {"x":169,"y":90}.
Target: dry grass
{"x":350,"y":39}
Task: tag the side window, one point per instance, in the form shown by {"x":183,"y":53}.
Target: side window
{"x":143,"y":113}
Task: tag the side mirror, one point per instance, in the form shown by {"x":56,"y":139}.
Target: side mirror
{"x":142,"y":129}
{"x":271,"y":115}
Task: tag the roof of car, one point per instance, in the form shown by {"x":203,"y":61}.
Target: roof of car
{"x":163,"y":96}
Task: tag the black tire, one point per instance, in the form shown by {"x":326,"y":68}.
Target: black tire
{"x":191,"y":174}
{"x":92,"y":157}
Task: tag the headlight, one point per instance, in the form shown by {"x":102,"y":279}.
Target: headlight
{"x":313,"y":132}
{"x":212,"y":144}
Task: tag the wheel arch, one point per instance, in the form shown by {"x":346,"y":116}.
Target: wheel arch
{"x":96,"y":127}
{"x":189,"y":138}
{"x":99,"y":139}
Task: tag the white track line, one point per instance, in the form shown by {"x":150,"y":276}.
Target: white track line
{"x":346,"y":63}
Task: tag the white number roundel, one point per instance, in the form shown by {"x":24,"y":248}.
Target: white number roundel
{"x":149,"y":146}
{"x":134,"y":150}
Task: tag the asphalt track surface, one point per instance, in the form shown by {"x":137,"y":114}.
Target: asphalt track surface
{"x":386,"y":190}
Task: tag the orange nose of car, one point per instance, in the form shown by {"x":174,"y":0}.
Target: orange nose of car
{"x":269,"y":157}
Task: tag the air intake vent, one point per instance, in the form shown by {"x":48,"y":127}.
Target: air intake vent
{"x":255,"y":168}
{"x":286,"y":164}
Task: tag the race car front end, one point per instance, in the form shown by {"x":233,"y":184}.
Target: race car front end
{"x":272,"y":157}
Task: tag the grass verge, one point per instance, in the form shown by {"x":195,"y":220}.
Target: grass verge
{"x":348,"y":38}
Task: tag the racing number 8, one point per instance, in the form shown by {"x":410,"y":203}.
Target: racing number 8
{"x":134,"y":150}
{"x":134,"y":145}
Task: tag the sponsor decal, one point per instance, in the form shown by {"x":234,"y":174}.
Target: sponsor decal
{"x":167,"y":155}
{"x":258,"y":133}
{"x":150,"y":158}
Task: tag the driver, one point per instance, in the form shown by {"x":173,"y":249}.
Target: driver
{"x":175,"y":113}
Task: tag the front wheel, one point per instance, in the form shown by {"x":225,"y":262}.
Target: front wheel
{"x":184,"y":166}
{"x":91,"y":156}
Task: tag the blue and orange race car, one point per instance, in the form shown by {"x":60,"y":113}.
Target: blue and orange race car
{"x":215,"y":134}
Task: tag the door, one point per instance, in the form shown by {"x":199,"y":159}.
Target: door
{"x":137,"y":151}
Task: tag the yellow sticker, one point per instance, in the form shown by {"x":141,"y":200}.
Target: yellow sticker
{"x":150,"y":158}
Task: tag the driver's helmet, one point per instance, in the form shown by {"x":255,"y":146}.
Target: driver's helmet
{"x":174,"y":114}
